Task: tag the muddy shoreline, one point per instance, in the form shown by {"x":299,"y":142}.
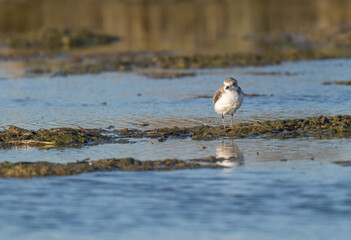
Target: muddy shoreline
{"x":70,"y":51}
{"x":166,"y":65}
{"x":44,"y":169}
{"x":321,"y":127}
{"x":155,"y":65}
{"x":55,"y":137}
{"x":337,"y":126}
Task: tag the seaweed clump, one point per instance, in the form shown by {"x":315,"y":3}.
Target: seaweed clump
{"x":16,"y":136}
{"x":42,"y":169}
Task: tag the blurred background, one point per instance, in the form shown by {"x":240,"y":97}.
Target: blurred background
{"x":191,"y":26}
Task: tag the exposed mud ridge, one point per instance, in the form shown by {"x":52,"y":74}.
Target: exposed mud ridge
{"x":15,"y":136}
{"x":337,"y":126}
{"x":42,"y":169}
{"x":244,"y":59}
{"x":95,"y":64}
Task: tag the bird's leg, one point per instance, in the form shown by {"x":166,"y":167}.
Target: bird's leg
{"x":231,"y":121}
{"x":223,"y":120}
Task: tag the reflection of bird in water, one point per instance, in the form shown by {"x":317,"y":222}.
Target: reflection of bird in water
{"x":229,"y":154}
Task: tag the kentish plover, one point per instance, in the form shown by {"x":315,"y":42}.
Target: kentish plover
{"x":228,"y":98}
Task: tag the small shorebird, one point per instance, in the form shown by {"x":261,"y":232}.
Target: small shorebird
{"x":228,"y":98}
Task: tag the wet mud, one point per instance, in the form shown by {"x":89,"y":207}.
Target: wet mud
{"x":43,"y":169}
{"x":98,"y":63}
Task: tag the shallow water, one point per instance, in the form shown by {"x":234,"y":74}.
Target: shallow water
{"x":259,"y":202}
{"x":95,"y":101}
{"x":278,"y":189}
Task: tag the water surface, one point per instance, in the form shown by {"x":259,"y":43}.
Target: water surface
{"x":278,"y":188}
{"x":263,"y":202}
{"x":98,"y":101}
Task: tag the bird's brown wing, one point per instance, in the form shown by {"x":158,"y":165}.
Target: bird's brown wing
{"x":218,"y":94}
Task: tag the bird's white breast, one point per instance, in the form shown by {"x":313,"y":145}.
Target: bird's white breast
{"x":229,"y":102}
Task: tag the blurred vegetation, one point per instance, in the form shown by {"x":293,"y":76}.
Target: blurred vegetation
{"x":58,"y":39}
{"x":119,"y":35}
{"x":192,"y":26}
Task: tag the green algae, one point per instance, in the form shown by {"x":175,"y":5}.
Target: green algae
{"x":43,"y":169}
{"x":15,"y":136}
{"x":337,"y":126}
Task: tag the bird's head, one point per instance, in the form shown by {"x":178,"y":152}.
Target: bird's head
{"x":230,"y":84}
